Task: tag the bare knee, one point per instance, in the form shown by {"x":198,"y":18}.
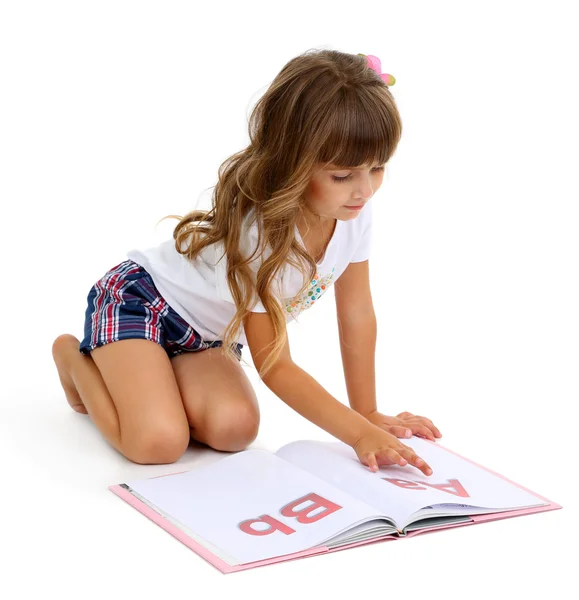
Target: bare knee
{"x":61,"y":343}
{"x":161,"y":445}
{"x":231,"y":429}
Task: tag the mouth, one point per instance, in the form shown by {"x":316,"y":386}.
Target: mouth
{"x":355,"y":207}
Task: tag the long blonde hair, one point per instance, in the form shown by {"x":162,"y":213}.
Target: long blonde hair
{"x":325,"y":107}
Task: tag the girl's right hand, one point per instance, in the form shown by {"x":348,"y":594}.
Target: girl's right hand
{"x":378,"y":447}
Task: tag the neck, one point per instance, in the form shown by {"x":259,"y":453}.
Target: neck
{"x":313,"y":221}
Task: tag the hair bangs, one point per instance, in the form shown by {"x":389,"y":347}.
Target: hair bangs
{"x":362,"y":132}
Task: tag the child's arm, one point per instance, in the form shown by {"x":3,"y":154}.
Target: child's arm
{"x":358,"y":331}
{"x":299,"y":390}
{"x":306,"y":396}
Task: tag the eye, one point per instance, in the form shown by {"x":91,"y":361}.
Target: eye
{"x":342,"y":179}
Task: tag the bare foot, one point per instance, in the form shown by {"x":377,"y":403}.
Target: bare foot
{"x":62,"y":348}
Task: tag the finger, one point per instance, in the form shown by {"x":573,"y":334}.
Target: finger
{"x":425,"y":431}
{"x":370,"y":461}
{"x":431,"y":426}
{"x":421,"y":464}
{"x":390,"y":456}
{"x":416,"y":461}
{"x":422,"y":430}
{"x":400,"y":431}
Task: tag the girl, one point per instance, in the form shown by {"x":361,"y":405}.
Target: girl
{"x":291,"y":215}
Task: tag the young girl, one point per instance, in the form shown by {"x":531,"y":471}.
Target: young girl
{"x":291,"y":215}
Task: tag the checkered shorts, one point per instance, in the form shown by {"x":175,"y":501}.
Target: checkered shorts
{"x":125,"y":304}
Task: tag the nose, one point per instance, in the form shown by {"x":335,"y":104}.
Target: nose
{"x":365,"y":189}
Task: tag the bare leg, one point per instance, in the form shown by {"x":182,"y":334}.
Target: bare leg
{"x":78,"y":373}
{"x":59,"y":349}
{"x":219,"y":399}
{"x":131,"y":395}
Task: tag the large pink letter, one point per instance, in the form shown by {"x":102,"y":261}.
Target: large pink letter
{"x":317,"y":502}
{"x":452,"y":487}
{"x":274,"y":525}
{"x":404,"y":483}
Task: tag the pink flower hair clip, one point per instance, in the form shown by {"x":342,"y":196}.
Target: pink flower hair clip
{"x":375,"y":64}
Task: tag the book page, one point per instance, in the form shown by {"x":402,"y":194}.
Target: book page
{"x":398,"y":492}
{"x":254,"y":505}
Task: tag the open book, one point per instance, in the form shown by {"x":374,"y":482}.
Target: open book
{"x":254,"y":507}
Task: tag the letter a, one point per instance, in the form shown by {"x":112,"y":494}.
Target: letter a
{"x":404,"y":483}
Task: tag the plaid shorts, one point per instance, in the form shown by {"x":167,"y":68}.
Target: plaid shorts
{"x":125,"y":304}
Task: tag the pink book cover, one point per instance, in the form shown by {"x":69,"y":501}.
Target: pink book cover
{"x":224,"y":567}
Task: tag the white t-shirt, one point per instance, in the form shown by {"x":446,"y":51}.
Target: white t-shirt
{"x":198,"y":291}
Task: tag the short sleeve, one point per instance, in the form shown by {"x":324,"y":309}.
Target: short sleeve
{"x":363,"y":248}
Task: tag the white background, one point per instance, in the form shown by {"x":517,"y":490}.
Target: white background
{"x":115,"y":114}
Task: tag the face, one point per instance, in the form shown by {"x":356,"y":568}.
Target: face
{"x":331,"y":190}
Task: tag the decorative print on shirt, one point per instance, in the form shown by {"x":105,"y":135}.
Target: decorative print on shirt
{"x":317,"y":288}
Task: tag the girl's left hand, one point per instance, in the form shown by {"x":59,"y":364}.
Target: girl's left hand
{"x":404,"y":422}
